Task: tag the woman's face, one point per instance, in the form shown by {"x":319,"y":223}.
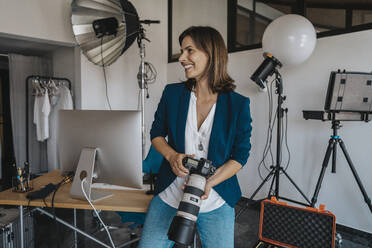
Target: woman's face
{"x":193,"y":60}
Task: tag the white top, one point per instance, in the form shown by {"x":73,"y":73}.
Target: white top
{"x":41,"y":114}
{"x":61,"y":101}
{"x":196,"y":142}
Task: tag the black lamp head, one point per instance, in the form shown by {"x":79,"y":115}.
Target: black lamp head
{"x":106,"y":26}
{"x":266,"y":69}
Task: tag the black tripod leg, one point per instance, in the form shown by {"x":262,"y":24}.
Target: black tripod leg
{"x":334,"y":158}
{"x":324,"y":167}
{"x":366,"y":198}
{"x":254,"y":193}
{"x":294,"y":184}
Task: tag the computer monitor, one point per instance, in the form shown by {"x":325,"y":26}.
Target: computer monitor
{"x":104,"y":143}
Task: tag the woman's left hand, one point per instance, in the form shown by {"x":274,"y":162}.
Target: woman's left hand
{"x":207,"y":190}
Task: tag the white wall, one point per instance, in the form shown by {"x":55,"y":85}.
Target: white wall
{"x":305,"y":87}
{"x":66,"y":61}
{"x":195,"y":12}
{"x":41,"y":19}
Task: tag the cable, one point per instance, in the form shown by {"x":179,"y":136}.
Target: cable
{"x":65,"y":180}
{"x":149,"y":76}
{"x":95,"y":210}
{"x":150,"y":73}
{"x":267,"y":147}
{"x":104,"y":75}
{"x":286,"y":140}
{"x":268,"y":136}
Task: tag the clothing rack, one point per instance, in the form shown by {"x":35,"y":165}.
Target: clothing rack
{"x":27,"y":95}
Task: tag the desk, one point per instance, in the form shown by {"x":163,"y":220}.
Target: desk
{"x":122,"y":200}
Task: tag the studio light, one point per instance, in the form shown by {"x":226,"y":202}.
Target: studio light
{"x":288,"y":40}
{"x":107,"y":26}
{"x":105,"y":29}
{"x":266,"y":69}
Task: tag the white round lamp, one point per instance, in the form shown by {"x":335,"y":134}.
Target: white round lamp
{"x":288,"y":40}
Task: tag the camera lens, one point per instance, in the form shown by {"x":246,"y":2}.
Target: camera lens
{"x":182,"y":229}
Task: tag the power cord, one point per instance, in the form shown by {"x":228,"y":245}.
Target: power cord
{"x":286,"y":140}
{"x":149,"y":76}
{"x":284,"y":130}
{"x":271,"y":122}
{"x":104,"y":75}
{"x":65,"y":180}
{"x":95,"y":210}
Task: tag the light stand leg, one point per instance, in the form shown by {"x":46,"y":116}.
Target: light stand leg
{"x":21,"y":225}
{"x":75,"y":233}
{"x":272,"y":184}
{"x":364,"y":193}
{"x":254,"y":194}
{"x":294,"y":184}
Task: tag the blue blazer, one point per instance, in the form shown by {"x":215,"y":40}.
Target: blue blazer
{"x":230,"y":135}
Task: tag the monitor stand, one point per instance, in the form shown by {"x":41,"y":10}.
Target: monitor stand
{"x":85,"y":169}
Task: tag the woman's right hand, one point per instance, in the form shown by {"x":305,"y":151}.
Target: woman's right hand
{"x":175,"y":161}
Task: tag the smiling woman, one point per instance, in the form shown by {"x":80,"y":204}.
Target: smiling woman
{"x":193,"y":59}
{"x":186,"y":114}
{"x":204,"y":56}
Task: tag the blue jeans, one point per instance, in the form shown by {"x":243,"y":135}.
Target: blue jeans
{"x":216,"y":228}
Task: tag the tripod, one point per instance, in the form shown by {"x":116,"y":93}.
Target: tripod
{"x":277,"y":169}
{"x":332,"y":148}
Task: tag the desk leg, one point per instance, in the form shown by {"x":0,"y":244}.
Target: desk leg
{"x":75,"y":233}
{"x":21,"y":224}
{"x":72,"y":227}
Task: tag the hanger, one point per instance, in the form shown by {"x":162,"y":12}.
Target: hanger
{"x":52,"y":87}
{"x":37,"y":88}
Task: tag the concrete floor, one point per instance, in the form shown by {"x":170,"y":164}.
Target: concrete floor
{"x":246,"y":231}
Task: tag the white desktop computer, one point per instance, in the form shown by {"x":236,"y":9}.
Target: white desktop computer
{"x":101,"y":146}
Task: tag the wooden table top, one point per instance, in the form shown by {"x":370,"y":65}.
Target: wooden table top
{"x":122,"y":200}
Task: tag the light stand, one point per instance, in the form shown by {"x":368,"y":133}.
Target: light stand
{"x":141,"y":79}
{"x":277,"y":169}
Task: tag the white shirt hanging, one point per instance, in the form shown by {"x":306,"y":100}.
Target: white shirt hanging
{"x":196,"y":142}
{"x":41,"y":115}
{"x":61,"y":101}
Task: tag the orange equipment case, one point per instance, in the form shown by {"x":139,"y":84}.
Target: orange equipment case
{"x":296,"y":227}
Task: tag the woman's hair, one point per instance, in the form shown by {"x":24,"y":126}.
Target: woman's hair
{"x":210,"y":41}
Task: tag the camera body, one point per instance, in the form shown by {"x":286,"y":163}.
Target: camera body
{"x":201,"y":167}
{"x":183,"y":226}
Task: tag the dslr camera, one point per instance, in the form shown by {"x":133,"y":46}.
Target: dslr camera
{"x":183,"y":226}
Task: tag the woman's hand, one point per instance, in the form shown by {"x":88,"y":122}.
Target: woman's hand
{"x":175,"y":161}
{"x":207,"y":189}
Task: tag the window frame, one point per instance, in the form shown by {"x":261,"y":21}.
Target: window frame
{"x":298,"y":7}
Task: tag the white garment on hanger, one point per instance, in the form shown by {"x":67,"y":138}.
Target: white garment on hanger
{"x":61,"y":101}
{"x":41,"y":116}
{"x":196,"y":142}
